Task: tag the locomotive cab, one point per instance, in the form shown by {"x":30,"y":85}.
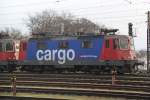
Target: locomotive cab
{"x":7,"y":50}
{"x":119,"y":47}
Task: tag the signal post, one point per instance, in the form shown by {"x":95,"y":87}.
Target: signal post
{"x":148,"y":42}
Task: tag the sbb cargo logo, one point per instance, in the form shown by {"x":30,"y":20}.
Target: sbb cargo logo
{"x":51,"y":55}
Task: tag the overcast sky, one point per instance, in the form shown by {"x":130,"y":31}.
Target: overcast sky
{"x":111,"y":13}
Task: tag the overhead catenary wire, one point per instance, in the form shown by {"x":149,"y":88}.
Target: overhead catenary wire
{"x":44,"y":2}
{"x":96,"y":15}
{"x":55,"y":2}
{"x":104,"y":18}
{"x":27,"y":5}
{"x":80,"y":10}
{"x":83,"y":12}
{"x":76,"y":9}
{"x":129,"y":1}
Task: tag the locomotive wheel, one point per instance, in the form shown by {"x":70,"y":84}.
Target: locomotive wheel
{"x":120,"y":70}
{"x":1,"y":70}
{"x":22,"y":68}
{"x":134,"y":69}
{"x":11,"y":69}
{"x":42,"y":69}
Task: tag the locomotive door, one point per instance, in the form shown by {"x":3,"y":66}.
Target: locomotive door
{"x":109,"y":49}
{"x":17,"y":43}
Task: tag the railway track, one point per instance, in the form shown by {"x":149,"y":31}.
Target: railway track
{"x":81,"y":85}
{"x":26,"y":98}
{"x":68,"y":74}
{"x":105,"y":79}
{"x":125,"y":85}
{"x":75,"y":76}
{"x":81,"y":91}
{"x":83,"y":81}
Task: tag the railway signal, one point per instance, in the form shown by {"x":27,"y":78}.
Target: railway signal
{"x":148,"y":42}
{"x":130,"y":29}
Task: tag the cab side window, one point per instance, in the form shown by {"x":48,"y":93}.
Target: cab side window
{"x":86,"y":44}
{"x":9,"y":46}
{"x":1,"y":48}
{"x":124,"y":43}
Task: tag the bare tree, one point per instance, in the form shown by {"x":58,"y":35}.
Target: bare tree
{"x":50,"y":21}
{"x":141,"y":53}
{"x":11,"y":33}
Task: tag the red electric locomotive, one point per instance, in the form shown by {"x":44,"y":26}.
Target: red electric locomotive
{"x":7,"y":54}
{"x":90,"y":53}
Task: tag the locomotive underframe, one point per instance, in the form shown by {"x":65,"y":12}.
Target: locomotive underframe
{"x":123,"y":66}
{"x":8,"y":65}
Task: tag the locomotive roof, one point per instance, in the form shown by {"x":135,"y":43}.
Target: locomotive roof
{"x":77,"y":36}
{"x":117,"y":36}
{"x":6,"y":39}
{"x":104,"y":33}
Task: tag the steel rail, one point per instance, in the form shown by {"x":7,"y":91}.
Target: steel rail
{"x":79,"y":91}
{"x":26,"y":98}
